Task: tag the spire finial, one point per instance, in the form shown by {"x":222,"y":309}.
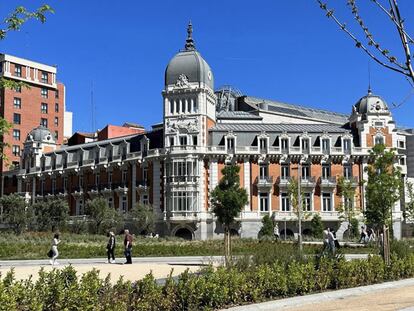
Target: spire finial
{"x":369,"y":78}
{"x":189,"y":42}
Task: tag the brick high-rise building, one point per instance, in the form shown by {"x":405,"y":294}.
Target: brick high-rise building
{"x":42,"y":102}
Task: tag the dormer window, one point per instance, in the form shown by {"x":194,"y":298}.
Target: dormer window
{"x":230,"y":144}
{"x":325,"y":146}
{"x":263,"y":145}
{"x":305,"y":145}
{"x":284,"y":145}
{"x":347,"y":146}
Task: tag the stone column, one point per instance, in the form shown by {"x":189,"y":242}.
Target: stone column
{"x":134,"y":184}
{"x":34,"y":190}
{"x":247,"y":183}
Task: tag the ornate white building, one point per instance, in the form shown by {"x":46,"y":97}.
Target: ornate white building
{"x":176,"y":165}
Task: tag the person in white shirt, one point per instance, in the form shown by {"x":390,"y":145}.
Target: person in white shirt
{"x":55,"y":251}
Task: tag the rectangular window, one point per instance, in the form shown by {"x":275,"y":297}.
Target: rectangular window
{"x":326,"y":171}
{"x":379,"y":140}
{"x":17,"y":118}
{"x":81,"y":181}
{"x":263,"y":144}
{"x":145,"y":174}
{"x":43,"y":108}
{"x":56,"y":121}
{"x":57,"y":94}
{"x":16,"y":134}
{"x":195,"y":106}
{"x":171,"y":106}
{"x":305,"y":145}
{"x":124,"y":176}
{"x":230,"y":143}
{"x":17,"y":70}
{"x":56,"y":107}
{"x":264,"y":202}
{"x":285,"y":171}
{"x":183,"y":140}
{"x":307,"y":201}
{"x":44,"y":77}
{"x":97,"y":179}
{"x":18,"y":89}
{"x":109,"y":177}
{"x":325,"y":146}
{"x":284,"y":143}
{"x":263,"y":171}
{"x":326,"y":202}
{"x":56,"y":135}
{"x":401,"y":144}
{"x":44,"y":92}
{"x":195,"y":140}
{"x":347,"y":146}
{"x":171,"y":141}
{"x":402,"y":161}
{"x":305,"y":172}
{"x":347,"y":171}
{"x":43,"y":122}
{"x":16,"y":150}
{"x":53,"y":186}
{"x":285,"y":202}
{"x":111,"y":202}
{"x":17,"y":103}
{"x":349,"y":203}
{"x":124,"y":204}
{"x":145,"y":200}
{"x":65,"y":184}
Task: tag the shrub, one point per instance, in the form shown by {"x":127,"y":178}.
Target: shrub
{"x":317,"y":226}
{"x":267,"y":227}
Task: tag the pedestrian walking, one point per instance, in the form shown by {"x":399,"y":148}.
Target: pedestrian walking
{"x":55,"y":252}
{"x":276,"y":231}
{"x":128,"y":246}
{"x":331,"y":241}
{"x":110,"y":247}
{"x":363,"y":238}
{"x":325,"y":240}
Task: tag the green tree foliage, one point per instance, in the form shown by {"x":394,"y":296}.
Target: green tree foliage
{"x":383,"y":187}
{"x":227,"y":201}
{"x":346,"y":208}
{"x":409,"y":206}
{"x":267,"y":227}
{"x":51,"y":215}
{"x":15,"y":212}
{"x":143,"y":217}
{"x":102,"y":215}
{"x":316,"y":226}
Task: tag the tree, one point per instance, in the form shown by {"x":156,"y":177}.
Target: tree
{"x":51,"y":215}
{"x":346,"y":207}
{"x":268,"y":227}
{"x":372,"y":47}
{"x":15,"y":212}
{"x":102,"y":215}
{"x":409,"y":206}
{"x":14,"y":22}
{"x":316,"y":226}
{"x":143,"y":217}
{"x":227,"y":201}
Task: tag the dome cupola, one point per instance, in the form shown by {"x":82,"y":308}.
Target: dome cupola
{"x":40,"y":134}
{"x":188,"y":66}
{"x":372,"y":104}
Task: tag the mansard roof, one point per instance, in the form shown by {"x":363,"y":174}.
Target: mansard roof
{"x":237,"y":115}
{"x":296,"y":110}
{"x":280,"y":127}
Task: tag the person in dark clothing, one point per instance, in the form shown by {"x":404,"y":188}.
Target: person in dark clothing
{"x":110,"y":247}
{"x":128,"y":247}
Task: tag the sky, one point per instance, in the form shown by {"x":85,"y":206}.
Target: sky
{"x":282,"y":50}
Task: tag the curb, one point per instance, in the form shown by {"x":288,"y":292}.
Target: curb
{"x":326,"y":296}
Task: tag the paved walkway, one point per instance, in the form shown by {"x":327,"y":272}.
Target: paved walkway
{"x":387,"y":296}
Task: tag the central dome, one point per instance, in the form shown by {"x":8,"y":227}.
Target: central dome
{"x":371,"y":103}
{"x":190,"y":65}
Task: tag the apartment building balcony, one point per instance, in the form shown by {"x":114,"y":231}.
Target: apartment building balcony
{"x":181,"y":216}
{"x":93,"y":191}
{"x":142,"y":186}
{"x":353,"y":180}
{"x":134,"y":155}
{"x":327,"y":182}
{"x":120,"y":188}
{"x":247,"y":150}
{"x":285,"y":215}
{"x":308,"y":182}
{"x":283,"y":182}
{"x":106,"y":189}
{"x":77,"y":192}
{"x":181,"y":180}
{"x":61,"y":193}
{"x":264,"y":183}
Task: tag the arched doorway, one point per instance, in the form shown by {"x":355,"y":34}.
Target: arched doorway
{"x":184,"y":233}
{"x":307,"y":232}
{"x":289,"y":233}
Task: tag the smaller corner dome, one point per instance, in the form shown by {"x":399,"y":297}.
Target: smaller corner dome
{"x":40,"y":134}
{"x":189,"y":63}
{"x":371,"y":103}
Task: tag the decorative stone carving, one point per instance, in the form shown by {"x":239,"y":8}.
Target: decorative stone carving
{"x":183,"y":125}
{"x":182,"y":82}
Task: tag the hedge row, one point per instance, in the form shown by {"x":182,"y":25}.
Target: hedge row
{"x":212,"y":289}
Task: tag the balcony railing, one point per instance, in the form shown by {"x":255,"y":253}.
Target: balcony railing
{"x":328,"y":181}
{"x":308,"y":182}
{"x":264,"y":182}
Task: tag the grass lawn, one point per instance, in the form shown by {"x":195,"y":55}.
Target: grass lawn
{"x":36,"y":245}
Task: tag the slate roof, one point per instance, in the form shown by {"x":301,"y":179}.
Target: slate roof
{"x":237,"y":115}
{"x":299,"y":111}
{"x":279,"y":127}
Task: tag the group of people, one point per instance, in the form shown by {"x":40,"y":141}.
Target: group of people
{"x":330,"y":243}
{"x":367,"y":235}
{"x":53,"y":253}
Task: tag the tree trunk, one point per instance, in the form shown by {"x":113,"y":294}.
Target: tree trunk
{"x":227,"y":251}
{"x":386,"y":244}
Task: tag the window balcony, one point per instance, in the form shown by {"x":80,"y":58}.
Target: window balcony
{"x":142,"y":186}
{"x":284,"y":182}
{"x":353,"y":180}
{"x":308,"y":182}
{"x":328,"y":182}
{"x":264,"y":183}
{"x":181,"y":216}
